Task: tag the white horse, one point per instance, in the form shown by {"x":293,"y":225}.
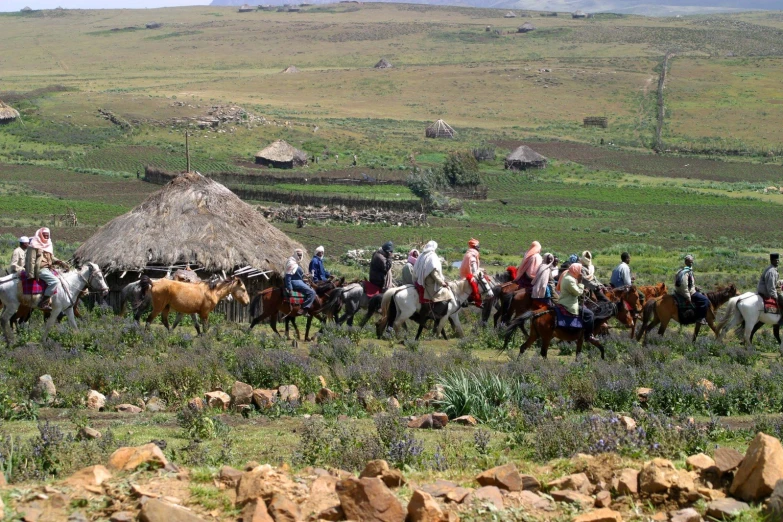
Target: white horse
{"x":747,"y":309}
{"x":71,"y":285}
{"x":401,"y":303}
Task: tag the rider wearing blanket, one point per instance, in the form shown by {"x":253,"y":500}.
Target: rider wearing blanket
{"x":380,"y":267}
{"x":429,"y":275}
{"x":529,"y":266}
{"x":294,"y":279}
{"x":469,"y":269}
{"x":592,"y":284}
{"x":768,"y":286}
{"x":317,"y":271}
{"x":570,"y":291}
{"x":407,"y":271}
{"x":544,"y":282}
{"x":39,"y":263}
{"x":685,"y":287}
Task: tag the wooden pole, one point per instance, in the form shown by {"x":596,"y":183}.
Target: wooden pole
{"x":187,"y":152}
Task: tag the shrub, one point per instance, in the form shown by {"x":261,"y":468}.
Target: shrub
{"x":461,"y":169}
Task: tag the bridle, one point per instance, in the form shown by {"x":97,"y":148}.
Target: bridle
{"x":94,"y":270}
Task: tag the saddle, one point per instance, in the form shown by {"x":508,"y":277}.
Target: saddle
{"x":420,"y":291}
{"x":293,"y":297}
{"x":566,"y":320}
{"x":32,"y":286}
{"x":685,"y":311}
{"x":370,"y":289}
{"x":770,"y":306}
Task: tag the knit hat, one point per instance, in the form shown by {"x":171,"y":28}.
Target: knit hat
{"x":473,"y":243}
{"x":388,"y":247}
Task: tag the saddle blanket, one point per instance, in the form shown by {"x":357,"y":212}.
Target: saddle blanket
{"x":370,"y":289}
{"x":566,"y":320}
{"x":293,"y":297}
{"x":33,"y":286}
{"x":770,"y":306}
{"x":420,"y":290}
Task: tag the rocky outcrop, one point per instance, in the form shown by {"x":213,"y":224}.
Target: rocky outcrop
{"x":369,"y":499}
{"x":760,"y":470}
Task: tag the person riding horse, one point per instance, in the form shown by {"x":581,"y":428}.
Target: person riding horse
{"x":294,"y":280}
{"x":408,"y":278}
{"x":317,"y":271}
{"x":544,"y":282}
{"x":769,"y":286}
{"x":469,"y":269}
{"x":685,"y":287}
{"x":380,"y":267}
{"x":529,"y":266}
{"x":18,"y":256}
{"x":429,"y":275}
{"x":571,"y":290}
{"x":621,"y":275}
{"x":39,"y":262}
{"x":592,"y":284}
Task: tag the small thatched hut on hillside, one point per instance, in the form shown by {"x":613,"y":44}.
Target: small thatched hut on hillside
{"x":439,"y":129}
{"x":526,"y":28}
{"x":192,"y":220}
{"x":291,"y":69}
{"x":383,"y":64}
{"x":510,"y":14}
{"x":246,"y":9}
{"x":7,"y":113}
{"x":281,"y":155}
{"x":523,"y":158}
{"x":27,"y":9}
{"x":579,"y":14}
{"x":153,"y":25}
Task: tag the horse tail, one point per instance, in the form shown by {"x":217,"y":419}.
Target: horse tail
{"x":388,"y":313}
{"x":648,"y":311}
{"x":334,"y":303}
{"x":257,"y":306}
{"x":145,"y":284}
{"x":730,"y":315}
{"x":519,"y":322}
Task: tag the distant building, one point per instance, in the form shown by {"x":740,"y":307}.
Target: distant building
{"x":439,"y":129}
{"x":579,"y":14}
{"x":526,"y":28}
{"x":523,"y":158}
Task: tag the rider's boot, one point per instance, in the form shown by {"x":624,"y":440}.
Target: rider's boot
{"x":45,"y":303}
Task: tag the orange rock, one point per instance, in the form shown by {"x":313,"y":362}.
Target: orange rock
{"x":424,"y":508}
{"x":760,"y":470}
{"x":130,"y":458}
{"x":600,"y":515}
{"x":369,"y":499}
{"x":255,"y":511}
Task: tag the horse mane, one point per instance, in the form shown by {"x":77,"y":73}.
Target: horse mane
{"x":721,"y":295}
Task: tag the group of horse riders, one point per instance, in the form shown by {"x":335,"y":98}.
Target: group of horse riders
{"x":35,"y":256}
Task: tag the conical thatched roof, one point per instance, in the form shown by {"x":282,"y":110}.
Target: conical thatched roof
{"x":579,"y":14}
{"x":246,"y":9}
{"x":439,"y":129}
{"x":193,"y":220}
{"x":7,"y":113}
{"x":383,"y":64}
{"x":26,"y":9}
{"x":526,"y":27}
{"x":282,"y":152}
{"x":510,"y":14}
{"x":525,"y":154}
{"x":291,"y":69}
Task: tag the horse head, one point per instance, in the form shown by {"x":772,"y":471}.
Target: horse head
{"x":95,"y":279}
{"x":238,"y":291}
{"x":485,"y":285}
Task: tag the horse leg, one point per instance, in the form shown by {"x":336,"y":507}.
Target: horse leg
{"x":71,"y":315}
{"x":307,"y":327}
{"x":662,"y":328}
{"x":711,"y":322}
{"x":533,"y":337}
{"x":579,"y":343}
{"x":164,"y":317}
{"x":5,"y":319}
{"x":194,"y":319}
{"x":598,"y":345}
{"x":776,"y":331}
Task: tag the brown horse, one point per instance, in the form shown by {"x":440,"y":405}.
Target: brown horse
{"x":664,"y":309}
{"x":190,"y":298}
{"x":543,"y":326}
{"x":653,"y":291}
{"x":269,"y":304}
{"x":629,"y":306}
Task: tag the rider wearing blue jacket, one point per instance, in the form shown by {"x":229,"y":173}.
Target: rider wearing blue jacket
{"x":317,"y":270}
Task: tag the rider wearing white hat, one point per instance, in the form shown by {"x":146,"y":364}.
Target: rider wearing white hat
{"x":316,"y":268}
{"x":18,"y":257}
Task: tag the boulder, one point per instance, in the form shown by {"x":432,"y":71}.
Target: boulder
{"x":466,"y":420}
{"x":325,"y":395}
{"x":90,"y":476}
{"x":393,"y":404}
{"x":229,"y":476}
{"x":424,"y":508}
{"x":289,"y":393}
{"x":264,"y":399}
{"x":530,"y":500}
{"x":155,"y":405}
{"x":241,"y":394}
{"x":322,"y":498}
{"x":599,"y":515}
{"x":44,"y":391}
{"x":87,"y":433}
{"x":658,"y":476}
{"x":282,"y":509}
{"x":128,"y":408}
{"x":95,"y":400}
{"x":569,"y":496}
{"x":760,"y":470}
{"x":368,"y":499}
{"x":380,"y":468}
{"x":628,"y":422}
{"x":441,"y":418}
{"x":425,"y":422}
{"x":196,"y":403}
{"x":686,"y":515}
{"x":159,"y":511}
{"x":219,"y":400}
{"x":643,"y":394}
{"x":486,"y":495}
{"x":774,"y":506}
{"x":700,"y":462}
{"x":447,"y":490}
{"x":576,"y":482}
{"x":120,"y":516}
{"x":727,"y":459}
{"x":628,"y":482}
{"x":263,"y":482}
{"x":725,"y":508}
{"x":603,"y":499}
{"x":434,"y":395}
{"x":130,"y":458}
{"x":508,"y":478}
{"x":255,"y":511}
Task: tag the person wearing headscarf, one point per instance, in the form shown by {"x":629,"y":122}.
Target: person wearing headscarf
{"x":380,"y":267}
{"x":544,"y":283}
{"x":40,"y":263}
{"x":18,"y":256}
{"x":469,"y":269}
{"x":407,"y":271}
{"x":294,"y":279}
{"x":588,"y":276}
{"x":429,"y":275}
{"x":529,"y":266}
{"x":317,"y":271}
{"x":685,"y":287}
{"x":571,"y":289}
{"x":573,"y":258}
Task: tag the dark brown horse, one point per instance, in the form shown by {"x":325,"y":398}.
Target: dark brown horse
{"x":543,"y":326}
{"x":269,"y":304}
{"x":629,"y":306}
{"x":664,"y":309}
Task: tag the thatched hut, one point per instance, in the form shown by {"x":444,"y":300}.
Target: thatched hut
{"x":194,"y":221}
{"x":383,"y":64}
{"x":153,"y":25}
{"x":523,"y":158}
{"x":291,"y":69}
{"x":526,"y":28}
{"x":7,"y":113}
{"x":281,"y":155}
{"x":27,"y":9}
{"x":579,"y":14}
{"x":247,"y":9}
{"x":510,"y":14}
{"x":439,"y":129}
